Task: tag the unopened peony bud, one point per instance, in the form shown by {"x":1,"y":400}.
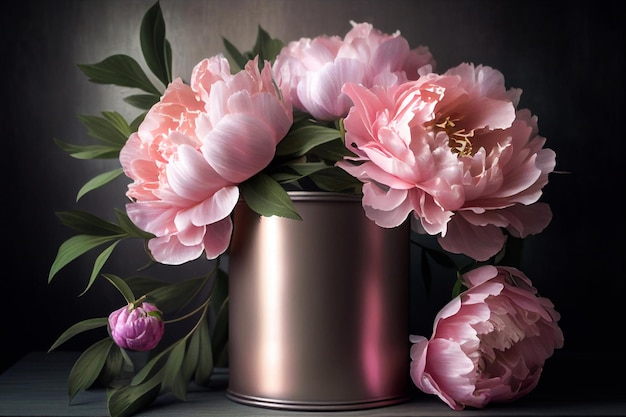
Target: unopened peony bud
{"x":490,"y":343}
{"x":137,"y":328}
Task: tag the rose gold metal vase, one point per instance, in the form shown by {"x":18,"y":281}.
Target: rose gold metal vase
{"x":318,"y":308}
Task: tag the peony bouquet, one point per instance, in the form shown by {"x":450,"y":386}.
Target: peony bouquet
{"x":362,"y":114}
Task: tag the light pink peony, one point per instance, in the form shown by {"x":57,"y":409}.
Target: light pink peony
{"x":453,"y":151}
{"x":312,"y":71}
{"x":193,"y":149}
{"x":504,"y":172}
{"x":137,"y":328}
{"x":490,"y":343}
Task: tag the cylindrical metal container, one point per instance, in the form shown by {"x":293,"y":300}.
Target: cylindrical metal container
{"x":318,"y":313}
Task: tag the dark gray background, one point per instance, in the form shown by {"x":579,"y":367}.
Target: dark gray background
{"x":568,"y":57}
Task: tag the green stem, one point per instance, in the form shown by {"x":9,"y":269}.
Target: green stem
{"x":206,"y":307}
{"x":191,"y":313}
{"x":139,"y":301}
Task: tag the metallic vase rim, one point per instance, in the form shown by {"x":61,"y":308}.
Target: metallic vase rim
{"x":322,"y":196}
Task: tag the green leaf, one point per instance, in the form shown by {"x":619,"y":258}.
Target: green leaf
{"x":111,"y":129}
{"x":98,"y":264}
{"x":173,"y":297}
{"x":219,"y":291}
{"x":120,"y":70}
{"x":89,"y":151}
{"x":220,"y":357}
{"x":98,"y":181}
{"x":129,"y":227}
{"x":332,"y":151}
{"x":78,"y":328}
{"x":267,"y":197}
{"x":205,"y":356}
{"x":336,"y":180}
{"x":218,"y":302}
{"x":114,"y":367}
{"x":118,"y":122}
{"x":302,"y":139}
{"x":134,"y":125}
{"x":88,"y":366}
{"x":190,"y":362}
{"x":172,"y":378}
{"x":154,"y":46}
{"x":88,"y":224}
{"x":266,"y":47}
{"x":152,"y":368}
{"x":219,"y":339}
{"x":142,"y":101}
{"x":237,"y":58}
{"x":143,"y":285}
{"x":458,"y":287}
{"x":305,"y":169}
{"x":283,"y":176}
{"x":74,"y":247}
{"x":130,"y":399}
{"x":122,"y":287}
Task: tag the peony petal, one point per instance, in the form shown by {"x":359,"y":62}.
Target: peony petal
{"x":217,"y":237}
{"x":320,"y":93}
{"x":191,"y":177}
{"x":189,"y":234}
{"x":239,"y":146}
{"x":452,"y":372}
{"x":477,"y":242}
{"x":528,"y":220}
{"x":169,"y":251}
{"x":215,"y":208}
{"x":154,"y":217}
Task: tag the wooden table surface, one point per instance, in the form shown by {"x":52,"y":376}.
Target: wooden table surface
{"x":37,"y":386}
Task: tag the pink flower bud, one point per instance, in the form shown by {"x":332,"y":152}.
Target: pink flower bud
{"x":136,"y":328}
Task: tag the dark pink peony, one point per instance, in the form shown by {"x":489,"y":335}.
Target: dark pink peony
{"x":193,"y":149}
{"x":453,"y":151}
{"x":490,"y":343}
{"x":312,"y":71}
{"x":136,"y":328}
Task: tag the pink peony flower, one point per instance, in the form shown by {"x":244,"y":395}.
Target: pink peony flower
{"x":312,"y":71}
{"x":504,"y":169}
{"x":193,"y":149}
{"x":405,"y":166}
{"x":136,"y":328}
{"x":489,"y":344}
{"x":453,"y":151}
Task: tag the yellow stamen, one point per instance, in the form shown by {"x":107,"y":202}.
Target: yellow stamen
{"x":459,"y":140}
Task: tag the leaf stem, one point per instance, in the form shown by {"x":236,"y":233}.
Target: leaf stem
{"x":204,"y":304}
{"x":191,"y":313}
